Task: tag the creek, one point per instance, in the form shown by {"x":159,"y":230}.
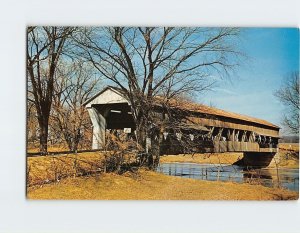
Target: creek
{"x":270,"y":177}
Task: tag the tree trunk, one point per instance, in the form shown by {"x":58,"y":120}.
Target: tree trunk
{"x":146,"y":158}
{"x":157,"y":152}
{"x":156,"y":139}
{"x":43,"y":123}
{"x":141,"y":134}
{"x":71,"y":141}
{"x":146,"y":138}
{"x":153,"y":152}
{"x":76,"y":140}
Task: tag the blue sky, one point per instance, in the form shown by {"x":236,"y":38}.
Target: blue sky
{"x":272,"y":53}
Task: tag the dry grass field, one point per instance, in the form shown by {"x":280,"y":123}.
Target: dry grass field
{"x":46,"y":169}
{"x":217,"y":158}
{"x":289,"y":146}
{"x":148,"y":185}
{"x":288,"y":160}
{"x":289,"y":155}
{"x":56,"y":177}
{"x":50,"y":168}
{"x":35,"y":149}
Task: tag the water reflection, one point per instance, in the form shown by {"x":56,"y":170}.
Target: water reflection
{"x":286,"y":178}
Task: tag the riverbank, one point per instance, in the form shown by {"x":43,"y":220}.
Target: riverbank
{"x":149,"y":185}
{"x":207,"y":158}
{"x":285,"y":159}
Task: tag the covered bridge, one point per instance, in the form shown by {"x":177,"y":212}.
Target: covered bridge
{"x":213,"y":130}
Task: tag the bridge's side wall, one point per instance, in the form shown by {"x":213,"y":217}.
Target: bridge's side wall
{"x":236,"y":124}
{"x":232,"y":146}
{"x":235,"y":135}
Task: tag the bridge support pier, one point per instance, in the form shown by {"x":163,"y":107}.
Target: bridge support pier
{"x":259,"y":159}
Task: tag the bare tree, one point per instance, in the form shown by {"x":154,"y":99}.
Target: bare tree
{"x":45,"y":47}
{"x":74,"y":84}
{"x":32,"y":125}
{"x":146,"y":63}
{"x":288,"y":94}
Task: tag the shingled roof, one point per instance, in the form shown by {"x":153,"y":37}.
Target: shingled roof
{"x":204,"y":109}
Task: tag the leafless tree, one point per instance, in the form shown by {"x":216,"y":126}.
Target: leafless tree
{"x":73,"y":85}
{"x":146,"y":63}
{"x":45,"y":47}
{"x":288,"y":94}
{"x":32,"y":125}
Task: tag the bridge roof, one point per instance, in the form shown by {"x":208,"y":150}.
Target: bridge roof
{"x":204,"y":109}
{"x":188,"y":106}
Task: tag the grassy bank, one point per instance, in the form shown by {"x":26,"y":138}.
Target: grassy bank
{"x":286,"y":159}
{"x":59,"y":177}
{"x":51,"y":168}
{"x":46,"y":169}
{"x":216,"y":158}
{"x":148,"y":185}
{"x":289,"y":146}
{"x":34,"y":149}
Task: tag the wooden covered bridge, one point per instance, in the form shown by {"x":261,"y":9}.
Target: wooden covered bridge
{"x":213,"y":130}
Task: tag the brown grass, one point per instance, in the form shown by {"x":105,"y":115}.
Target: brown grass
{"x":289,"y":146}
{"x":144,"y":185}
{"x":46,"y":169}
{"x":148,"y":185}
{"x":50,"y":168}
{"x":34,"y":147}
{"x":221,"y":158}
{"x":288,"y":160}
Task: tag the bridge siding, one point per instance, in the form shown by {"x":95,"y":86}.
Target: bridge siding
{"x":262,"y":130}
{"x":231,"y":146}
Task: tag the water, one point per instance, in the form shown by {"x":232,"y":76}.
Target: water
{"x":286,"y":178}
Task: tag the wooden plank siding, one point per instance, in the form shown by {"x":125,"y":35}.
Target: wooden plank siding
{"x":231,"y":146}
{"x":262,"y":130}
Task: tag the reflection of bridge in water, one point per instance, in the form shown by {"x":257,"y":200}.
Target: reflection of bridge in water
{"x":207,"y":129}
